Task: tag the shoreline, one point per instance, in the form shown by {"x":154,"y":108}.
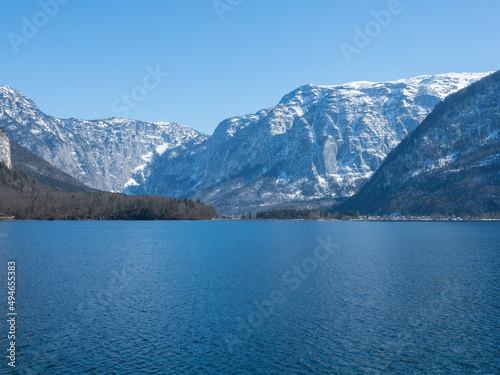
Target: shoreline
{"x":241,"y":220}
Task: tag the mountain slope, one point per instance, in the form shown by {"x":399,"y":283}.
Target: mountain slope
{"x":12,"y":155}
{"x":37,"y":168}
{"x":450,"y":164}
{"x":319,"y":142}
{"x":102,"y":154}
{"x":28,"y":199}
{"x":5,"y":156}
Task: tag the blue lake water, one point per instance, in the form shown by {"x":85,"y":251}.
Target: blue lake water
{"x":254,"y":297}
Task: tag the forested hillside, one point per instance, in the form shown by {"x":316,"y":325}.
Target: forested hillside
{"x":28,"y":199}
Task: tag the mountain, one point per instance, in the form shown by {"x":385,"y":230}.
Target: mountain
{"x":14,"y":156}
{"x":5,"y":156}
{"x":449,"y":165}
{"x":319,"y":143}
{"x":37,"y":168}
{"x":102,"y":154}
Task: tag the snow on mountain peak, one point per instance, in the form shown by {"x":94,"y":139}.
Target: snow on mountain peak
{"x":326,"y":140}
{"x":318,"y":142}
{"x":100,"y":153}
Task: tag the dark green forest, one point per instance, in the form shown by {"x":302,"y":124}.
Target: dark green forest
{"x":289,"y":214}
{"x":27,"y":199}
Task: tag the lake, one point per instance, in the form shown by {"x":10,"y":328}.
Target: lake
{"x":253,"y":297}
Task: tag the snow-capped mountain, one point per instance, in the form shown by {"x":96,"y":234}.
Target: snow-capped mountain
{"x":103,"y":154}
{"x":449,"y":164}
{"x":319,"y":142}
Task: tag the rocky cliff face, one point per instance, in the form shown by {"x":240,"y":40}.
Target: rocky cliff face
{"x":103,"y":154}
{"x":449,"y":164}
{"x":37,"y":168}
{"x":319,"y":142}
{"x":5,"y":149}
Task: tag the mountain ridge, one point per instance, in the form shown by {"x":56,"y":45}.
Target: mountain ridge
{"x":103,"y":153}
{"x":449,"y":164}
{"x":317,"y":143}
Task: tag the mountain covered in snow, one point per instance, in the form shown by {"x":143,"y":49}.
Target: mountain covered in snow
{"x":318,"y":144}
{"x":449,"y":164}
{"x":103,"y":154}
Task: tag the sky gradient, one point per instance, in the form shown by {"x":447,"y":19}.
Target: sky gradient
{"x":96,"y":59}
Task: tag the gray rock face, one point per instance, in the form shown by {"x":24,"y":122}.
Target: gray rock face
{"x":449,"y":165}
{"x":319,"y":142}
{"x":39,"y":169}
{"x":103,"y":154}
{"x":5,"y":149}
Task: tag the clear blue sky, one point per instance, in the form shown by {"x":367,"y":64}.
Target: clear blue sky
{"x":88,"y":54}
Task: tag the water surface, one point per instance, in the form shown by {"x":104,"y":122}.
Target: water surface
{"x":255,"y":297}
